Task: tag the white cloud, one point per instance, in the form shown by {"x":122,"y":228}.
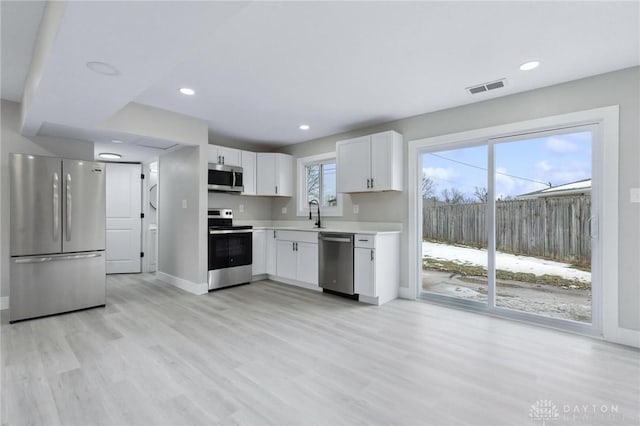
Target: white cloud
{"x":568,"y":171}
{"x":505,"y":185}
{"x":543,"y":166}
{"x":439,"y":173}
{"x":559,"y":145}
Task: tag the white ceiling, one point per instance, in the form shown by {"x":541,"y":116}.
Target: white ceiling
{"x":262,"y":68}
{"x":18,"y":30}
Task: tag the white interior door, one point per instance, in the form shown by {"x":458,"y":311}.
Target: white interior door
{"x":124,"y":208}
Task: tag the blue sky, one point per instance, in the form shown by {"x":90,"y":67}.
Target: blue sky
{"x":522,"y":166}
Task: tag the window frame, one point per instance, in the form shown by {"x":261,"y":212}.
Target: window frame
{"x":302,"y":208}
{"x":604,"y":174}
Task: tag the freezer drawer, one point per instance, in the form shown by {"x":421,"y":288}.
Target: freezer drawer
{"x":46,"y":285}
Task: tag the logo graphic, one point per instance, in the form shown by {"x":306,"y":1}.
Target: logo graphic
{"x":544,"y":411}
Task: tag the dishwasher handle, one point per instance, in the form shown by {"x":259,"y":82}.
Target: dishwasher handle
{"x":336,"y":238}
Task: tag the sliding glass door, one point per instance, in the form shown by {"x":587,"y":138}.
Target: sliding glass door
{"x":509,"y":226}
{"x":454,"y":202}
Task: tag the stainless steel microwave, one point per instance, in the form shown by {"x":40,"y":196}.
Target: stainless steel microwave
{"x":225,"y":178}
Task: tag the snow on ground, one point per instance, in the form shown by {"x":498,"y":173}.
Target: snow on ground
{"x":504,"y":261}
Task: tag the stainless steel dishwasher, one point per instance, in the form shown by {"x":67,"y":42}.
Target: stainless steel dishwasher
{"x":336,"y":262}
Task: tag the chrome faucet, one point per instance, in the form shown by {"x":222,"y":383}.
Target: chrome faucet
{"x":310,"y":215}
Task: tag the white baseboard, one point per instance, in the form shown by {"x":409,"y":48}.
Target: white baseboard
{"x":623,"y":336}
{"x":259,"y":277}
{"x":406,"y":293}
{"x":186,"y":285}
{"x":4,"y":303}
{"x":369,"y":300}
{"x":295,"y":283}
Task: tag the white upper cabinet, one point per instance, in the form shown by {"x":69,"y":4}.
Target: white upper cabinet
{"x":274,"y":174}
{"x":224,"y":155}
{"x":370,"y":163}
{"x":248,"y":160}
{"x":354,"y":164}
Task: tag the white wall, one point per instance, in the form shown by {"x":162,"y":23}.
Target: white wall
{"x":255,"y":208}
{"x":178,"y":237}
{"x":182,"y":237}
{"x":617,"y":88}
{"x":11,"y":141}
{"x":143,"y":120}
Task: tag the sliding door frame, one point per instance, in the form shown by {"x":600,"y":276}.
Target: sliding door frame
{"x":605,"y":169}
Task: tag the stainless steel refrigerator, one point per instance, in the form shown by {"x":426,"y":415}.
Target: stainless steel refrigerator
{"x":57,"y":235}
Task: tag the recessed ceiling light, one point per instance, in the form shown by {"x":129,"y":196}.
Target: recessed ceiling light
{"x":109,"y":155}
{"x":103,"y":68}
{"x":304,"y":127}
{"x":116,"y":141}
{"x":527,"y":66}
{"x":187,"y":91}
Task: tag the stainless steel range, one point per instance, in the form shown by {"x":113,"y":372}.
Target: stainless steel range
{"x":230,"y":250}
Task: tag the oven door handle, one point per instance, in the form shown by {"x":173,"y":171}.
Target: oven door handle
{"x":230,"y":231}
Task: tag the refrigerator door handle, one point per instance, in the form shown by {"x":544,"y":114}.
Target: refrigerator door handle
{"x":56,"y":208}
{"x":54,"y":258}
{"x":69,"y":206}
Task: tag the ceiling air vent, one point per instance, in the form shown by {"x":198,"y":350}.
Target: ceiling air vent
{"x":487,"y":86}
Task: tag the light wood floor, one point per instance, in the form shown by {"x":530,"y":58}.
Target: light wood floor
{"x":267,"y":353}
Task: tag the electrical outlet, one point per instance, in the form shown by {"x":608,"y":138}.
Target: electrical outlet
{"x":284,"y":210}
{"x":184,"y":204}
{"x":241,"y":208}
{"x":634,"y":195}
{"x":356,"y":209}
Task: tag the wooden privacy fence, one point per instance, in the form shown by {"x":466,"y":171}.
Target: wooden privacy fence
{"x":550,"y":227}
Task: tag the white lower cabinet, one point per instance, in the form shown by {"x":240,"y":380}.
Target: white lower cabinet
{"x":287,"y":260}
{"x":297,"y":257}
{"x":307,"y":262}
{"x":376,"y":267}
{"x":364,"y":277}
{"x":259,"y":250}
{"x":291,"y":256}
{"x":271,"y":251}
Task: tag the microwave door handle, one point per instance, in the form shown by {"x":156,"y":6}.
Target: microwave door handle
{"x":233,"y":179}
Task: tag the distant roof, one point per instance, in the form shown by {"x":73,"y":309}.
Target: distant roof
{"x":573,"y":188}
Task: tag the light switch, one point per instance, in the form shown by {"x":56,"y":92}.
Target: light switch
{"x":284,"y":210}
{"x":356,"y":209}
{"x":184,"y":204}
{"x":634,"y":195}
{"x":241,"y":208}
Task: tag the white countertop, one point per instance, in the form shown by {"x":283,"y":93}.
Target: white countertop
{"x":369,"y":228}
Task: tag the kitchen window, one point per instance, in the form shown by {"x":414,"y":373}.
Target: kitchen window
{"x":317,"y":181}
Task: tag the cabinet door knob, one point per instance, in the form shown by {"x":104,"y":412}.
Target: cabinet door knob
{"x":372,"y":255}
{"x":371,"y":181}
{"x":368,"y":184}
